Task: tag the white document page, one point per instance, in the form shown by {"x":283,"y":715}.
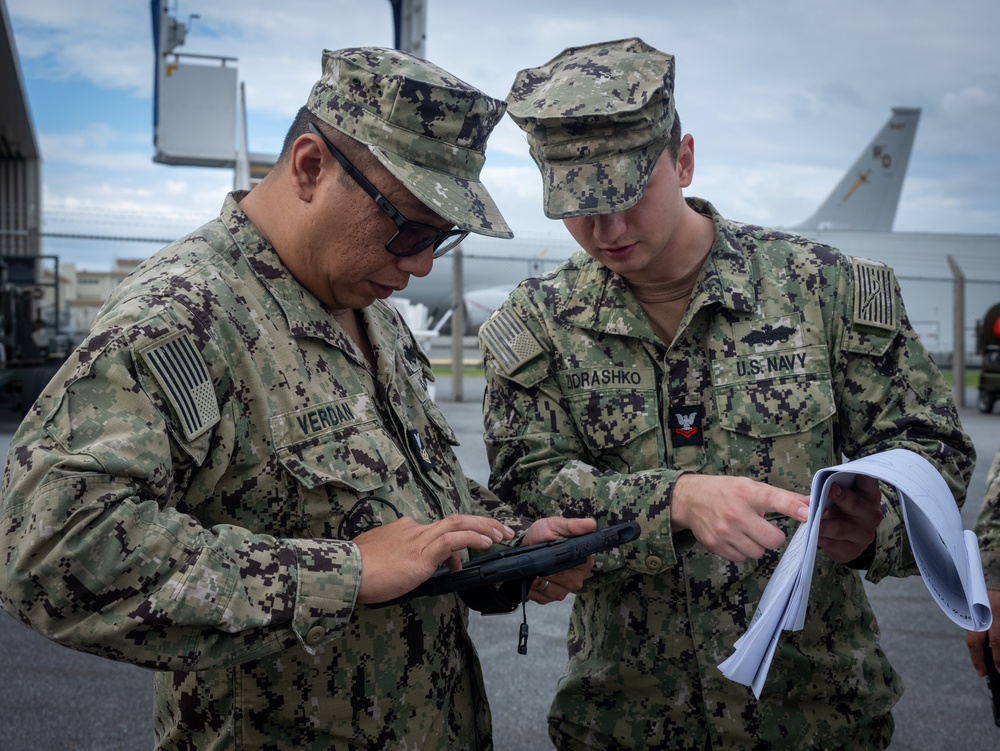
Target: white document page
{"x":947,"y":556}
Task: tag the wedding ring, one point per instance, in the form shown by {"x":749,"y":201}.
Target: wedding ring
{"x":544,"y":586}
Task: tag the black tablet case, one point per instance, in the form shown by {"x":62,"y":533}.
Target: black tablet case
{"x":498,"y":582}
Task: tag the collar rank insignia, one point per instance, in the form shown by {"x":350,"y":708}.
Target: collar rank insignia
{"x":686,"y":425}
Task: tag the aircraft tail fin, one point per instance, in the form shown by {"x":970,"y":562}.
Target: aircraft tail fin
{"x":868,"y":195}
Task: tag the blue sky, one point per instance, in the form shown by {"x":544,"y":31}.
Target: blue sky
{"x":780,"y":95}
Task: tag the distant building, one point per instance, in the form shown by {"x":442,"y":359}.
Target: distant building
{"x":82,"y":294}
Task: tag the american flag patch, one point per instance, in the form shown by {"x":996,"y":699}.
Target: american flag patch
{"x":874,"y":299}
{"x":509,"y":341}
{"x":180,"y":370}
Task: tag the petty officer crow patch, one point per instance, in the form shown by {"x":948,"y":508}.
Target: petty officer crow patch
{"x":685,"y":425}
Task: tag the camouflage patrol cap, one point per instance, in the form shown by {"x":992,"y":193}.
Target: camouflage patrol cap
{"x":597,"y":118}
{"x":426,"y":126}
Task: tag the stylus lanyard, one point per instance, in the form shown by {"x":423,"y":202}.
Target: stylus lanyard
{"x":522,"y":638}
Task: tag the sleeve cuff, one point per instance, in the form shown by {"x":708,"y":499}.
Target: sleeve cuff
{"x":656,"y":549}
{"x":329,"y":577}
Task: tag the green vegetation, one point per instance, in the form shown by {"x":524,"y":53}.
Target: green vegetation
{"x":476,"y":371}
{"x":971,"y":377}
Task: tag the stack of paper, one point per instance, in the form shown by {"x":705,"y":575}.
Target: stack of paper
{"x":947,"y":556}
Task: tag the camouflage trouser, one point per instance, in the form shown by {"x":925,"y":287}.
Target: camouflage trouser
{"x":871,"y":737}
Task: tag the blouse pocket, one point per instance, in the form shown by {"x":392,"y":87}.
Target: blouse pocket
{"x":775,"y":407}
{"x":610,"y":421}
{"x":777,"y":411}
{"x":342,"y":456}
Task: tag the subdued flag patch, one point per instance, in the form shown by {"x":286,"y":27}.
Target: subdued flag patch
{"x":181,"y":371}
{"x":874,"y":301}
{"x":509,"y":340}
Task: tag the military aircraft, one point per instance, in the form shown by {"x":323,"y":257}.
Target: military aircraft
{"x":865,"y":199}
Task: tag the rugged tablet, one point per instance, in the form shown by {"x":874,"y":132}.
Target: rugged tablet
{"x":480,"y":580}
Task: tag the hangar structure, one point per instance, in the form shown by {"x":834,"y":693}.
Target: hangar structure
{"x":20,"y":160}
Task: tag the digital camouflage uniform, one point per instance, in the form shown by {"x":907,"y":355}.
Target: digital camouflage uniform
{"x":988,"y":526}
{"x":184,"y":492}
{"x":203,"y":534}
{"x":789,"y":356}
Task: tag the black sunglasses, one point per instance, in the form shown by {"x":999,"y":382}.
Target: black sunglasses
{"x":411,"y":237}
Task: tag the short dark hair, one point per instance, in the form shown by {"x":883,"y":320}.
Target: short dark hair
{"x":674,"y":142}
{"x":359,"y":154}
{"x":299,"y":126}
